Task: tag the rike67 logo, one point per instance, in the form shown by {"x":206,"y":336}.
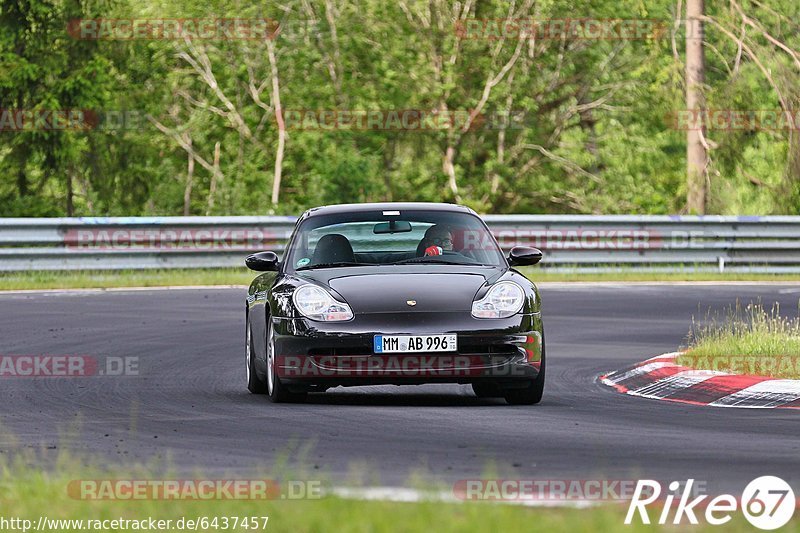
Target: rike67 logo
{"x":768,"y":502}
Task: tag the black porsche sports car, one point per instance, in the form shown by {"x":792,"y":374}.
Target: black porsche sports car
{"x":394,"y":293}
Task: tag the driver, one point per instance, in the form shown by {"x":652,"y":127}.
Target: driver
{"x":437,"y":240}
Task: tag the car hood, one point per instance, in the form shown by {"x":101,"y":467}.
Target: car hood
{"x":409,"y":291}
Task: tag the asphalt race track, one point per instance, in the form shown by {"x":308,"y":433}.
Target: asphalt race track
{"x":189,"y":407}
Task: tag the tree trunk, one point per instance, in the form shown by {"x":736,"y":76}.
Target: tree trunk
{"x":22,"y":158}
{"x":450,"y":170}
{"x":276,"y":100}
{"x":187,"y":191}
{"x":22,"y":180}
{"x":388,"y":162}
{"x":212,"y":190}
{"x":792,"y":191}
{"x":696,"y":155}
{"x":70,"y":193}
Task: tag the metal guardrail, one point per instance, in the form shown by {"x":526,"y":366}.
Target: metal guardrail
{"x":570,"y":242}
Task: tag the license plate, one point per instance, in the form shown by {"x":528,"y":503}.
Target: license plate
{"x":414,"y":343}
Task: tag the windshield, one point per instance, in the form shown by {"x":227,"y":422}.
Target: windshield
{"x":393,"y":237}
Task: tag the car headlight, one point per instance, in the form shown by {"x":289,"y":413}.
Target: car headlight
{"x":317,"y":304}
{"x":503,"y":300}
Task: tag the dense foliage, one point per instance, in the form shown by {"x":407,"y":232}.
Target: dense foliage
{"x":592,"y":125}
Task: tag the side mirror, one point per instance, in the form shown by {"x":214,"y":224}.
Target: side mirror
{"x":523,"y":255}
{"x":263,"y":262}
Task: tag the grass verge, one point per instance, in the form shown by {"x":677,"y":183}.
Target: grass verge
{"x":86,"y":279}
{"x":104,"y":279}
{"x":746,"y":340}
{"x":29,"y":495}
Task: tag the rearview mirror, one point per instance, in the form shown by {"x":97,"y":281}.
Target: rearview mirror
{"x":523,"y":255}
{"x":263,"y":262}
{"x":393,"y":226}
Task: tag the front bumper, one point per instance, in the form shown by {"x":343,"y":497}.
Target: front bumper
{"x":317,"y":355}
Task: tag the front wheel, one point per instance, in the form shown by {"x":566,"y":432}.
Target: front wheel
{"x":532,"y":393}
{"x":277,"y":391}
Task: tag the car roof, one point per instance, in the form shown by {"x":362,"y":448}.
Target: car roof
{"x":385,"y":206}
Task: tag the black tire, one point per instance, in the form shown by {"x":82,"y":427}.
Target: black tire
{"x":486,"y":390}
{"x":277,"y":391}
{"x":532,"y":394}
{"x":254,"y":383}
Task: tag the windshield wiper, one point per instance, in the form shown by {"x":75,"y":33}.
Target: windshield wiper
{"x":334,"y":265}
